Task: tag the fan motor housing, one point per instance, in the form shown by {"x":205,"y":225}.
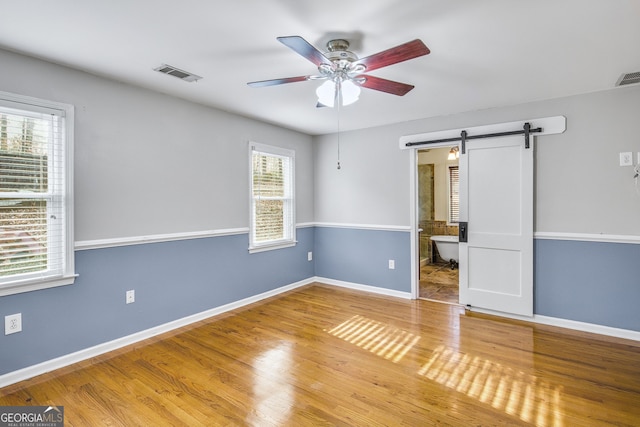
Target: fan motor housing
{"x":337,"y":50}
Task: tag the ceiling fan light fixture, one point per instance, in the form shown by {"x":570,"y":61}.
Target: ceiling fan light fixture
{"x":350,"y":92}
{"x":328,"y":91}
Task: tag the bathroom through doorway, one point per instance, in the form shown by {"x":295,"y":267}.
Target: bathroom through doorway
{"x":438,"y":202}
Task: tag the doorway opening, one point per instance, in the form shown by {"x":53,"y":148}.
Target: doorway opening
{"x":438,"y":203}
{"x":496,"y":193}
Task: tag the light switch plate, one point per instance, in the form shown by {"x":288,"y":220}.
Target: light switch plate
{"x":626,"y":158}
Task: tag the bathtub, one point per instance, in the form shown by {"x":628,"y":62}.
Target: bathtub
{"x":447,"y":247}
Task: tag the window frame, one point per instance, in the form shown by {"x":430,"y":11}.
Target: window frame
{"x":64,"y":196}
{"x":450,"y":219}
{"x":289,"y":230}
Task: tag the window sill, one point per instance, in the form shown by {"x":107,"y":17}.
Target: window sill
{"x":35,"y":284}
{"x":271,"y":247}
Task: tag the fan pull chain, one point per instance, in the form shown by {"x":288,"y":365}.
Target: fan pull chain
{"x":338,"y":104}
{"x":339,"y":150}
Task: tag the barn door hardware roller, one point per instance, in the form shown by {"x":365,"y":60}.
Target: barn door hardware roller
{"x":464,"y":137}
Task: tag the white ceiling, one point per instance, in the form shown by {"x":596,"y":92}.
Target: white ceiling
{"x":484,"y":53}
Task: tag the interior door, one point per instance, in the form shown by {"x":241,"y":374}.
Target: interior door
{"x":496,"y":202}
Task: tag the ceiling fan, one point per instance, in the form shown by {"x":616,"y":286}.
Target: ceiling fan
{"x":344,"y":72}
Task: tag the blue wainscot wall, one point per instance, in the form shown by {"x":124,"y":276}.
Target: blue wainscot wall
{"x":590,"y":282}
{"x":361,"y":256}
{"x":172,"y":280}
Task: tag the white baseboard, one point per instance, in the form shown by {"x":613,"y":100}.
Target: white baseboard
{"x":587,"y":327}
{"x":78,"y":356}
{"x":568,"y":324}
{"x":366,"y":288}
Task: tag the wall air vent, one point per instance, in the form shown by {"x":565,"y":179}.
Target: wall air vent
{"x":628,"y":79}
{"x":176,"y":72}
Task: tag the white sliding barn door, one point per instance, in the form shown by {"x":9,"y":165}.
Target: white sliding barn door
{"x":496,"y":200}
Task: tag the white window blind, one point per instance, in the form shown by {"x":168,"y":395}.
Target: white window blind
{"x":34,"y":233}
{"x":272,"y":202}
{"x":454,"y":195}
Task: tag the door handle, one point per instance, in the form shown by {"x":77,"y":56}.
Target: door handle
{"x":462,"y":232}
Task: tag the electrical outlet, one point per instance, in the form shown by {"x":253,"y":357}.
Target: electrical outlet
{"x":309,"y":256}
{"x":12,"y":323}
{"x":626,"y":159}
{"x":392,"y":264}
{"x":131,"y":296}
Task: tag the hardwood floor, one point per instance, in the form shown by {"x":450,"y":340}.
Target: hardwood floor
{"x":321,"y":355}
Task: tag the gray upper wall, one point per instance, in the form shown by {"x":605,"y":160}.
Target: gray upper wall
{"x":197,"y":177}
{"x":147,"y":163}
{"x":580,"y":187}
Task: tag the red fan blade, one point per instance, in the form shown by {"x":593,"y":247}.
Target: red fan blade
{"x":305,"y":49}
{"x":274,"y":82}
{"x":394,"y":55}
{"x":383,"y":85}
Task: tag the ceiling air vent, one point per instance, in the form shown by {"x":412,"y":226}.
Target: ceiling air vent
{"x":629,"y":79}
{"x":176,"y":72}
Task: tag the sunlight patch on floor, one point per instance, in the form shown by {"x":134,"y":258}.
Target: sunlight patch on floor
{"x":514,"y":392}
{"x":376,"y":337}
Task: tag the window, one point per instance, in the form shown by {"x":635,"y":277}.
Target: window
{"x":36,"y":218}
{"x":272,"y":201}
{"x":454,"y":195}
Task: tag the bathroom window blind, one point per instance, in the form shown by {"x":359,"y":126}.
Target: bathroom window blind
{"x":35,"y":249}
{"x":454,"y":195}
{"x":272,"y":198}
